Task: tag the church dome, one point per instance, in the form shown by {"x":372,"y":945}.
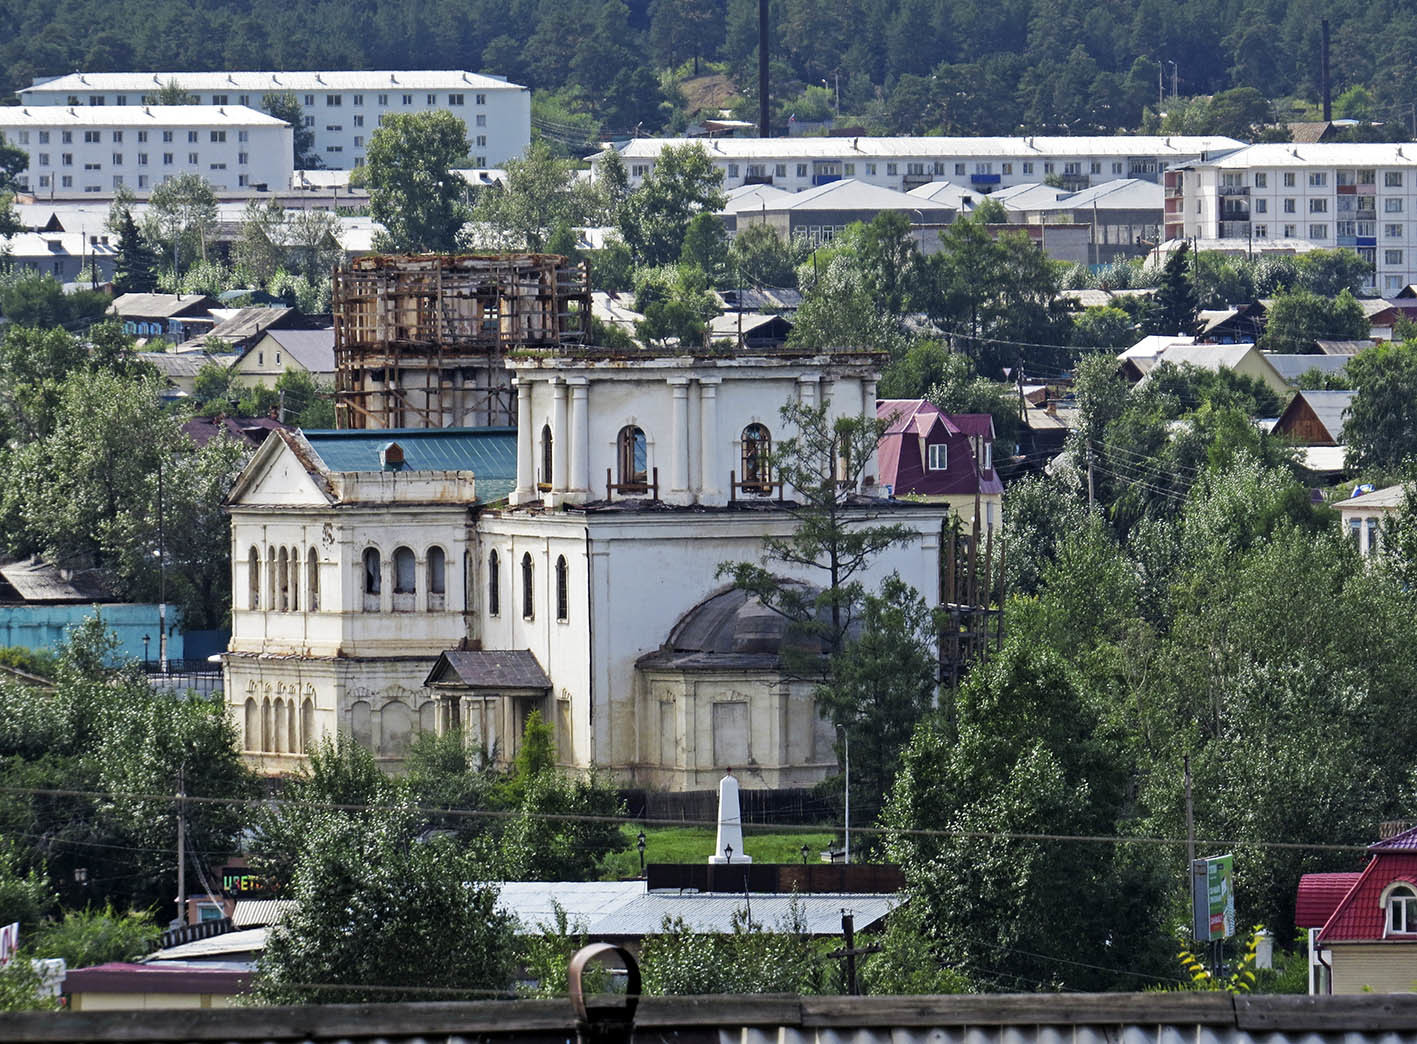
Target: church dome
{"x":733,"y":624}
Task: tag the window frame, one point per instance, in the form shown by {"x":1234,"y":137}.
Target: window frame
{"x":563,"y":590}
{"x":937,"y":461}
{"x":528,"y":587}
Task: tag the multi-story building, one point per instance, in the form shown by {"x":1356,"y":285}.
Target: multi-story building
{"x":984,"y":164}
{"x":341,"y":109}
{"x":1361,"y":196}
{"x":83,"y":150}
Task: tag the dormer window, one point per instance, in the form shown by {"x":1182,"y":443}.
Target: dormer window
{"x":1402,"y":910}
{"x":939,"y":455}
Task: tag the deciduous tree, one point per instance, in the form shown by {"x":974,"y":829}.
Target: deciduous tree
{"x":413,"y":193}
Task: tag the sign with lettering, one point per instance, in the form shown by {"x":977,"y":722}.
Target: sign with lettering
{"x":241,"y":882}
{"x":1213,"y":898}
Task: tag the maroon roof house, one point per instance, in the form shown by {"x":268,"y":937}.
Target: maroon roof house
{"x":928,"y":454}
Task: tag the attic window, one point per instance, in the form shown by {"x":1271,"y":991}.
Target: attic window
{"x":1402,"y":910}
{"x":939,"y":457}
{"x":391,"y":456}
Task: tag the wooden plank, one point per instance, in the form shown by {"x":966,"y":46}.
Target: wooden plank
{"x":1368,"y":1013}
{"x":1042,"y":1009}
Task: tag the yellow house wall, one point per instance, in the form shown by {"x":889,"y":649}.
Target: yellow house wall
{"x":99,"y":1001}
{"x":1374,"y":967}
{"x":251,"y":372}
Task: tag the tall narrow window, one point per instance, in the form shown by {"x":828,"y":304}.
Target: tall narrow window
{"x":283,"y":576}
{"x":494,"y":585}
{"x":295,"y":579}
{"x":437,"y":578}
{"x":405,"y":578}
{"x":312,"y":570}
{"x":373,"y":571}
{"x":633,"y":460}
{"x":528,"y":602}
{"x":563,"y":589}
{"x":757,"y":445}
{"x":253,"y":580}
{"x":546,"y":456}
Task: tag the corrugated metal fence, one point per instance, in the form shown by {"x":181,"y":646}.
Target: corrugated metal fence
{"x":1187,"y":1018}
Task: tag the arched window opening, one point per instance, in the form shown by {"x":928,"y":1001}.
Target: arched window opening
{"x":494,"y":585}
{"x":283,"y":578}
{"x":632,"y":456}
{"x":272,"y":583}
{"x":267,"y":726}
{"x":292,"y":737}
{"x":294,"y":581}
{"x":312,"y":581}
{"x":373,"y":579}
{"x":307,"y":725}
{"x":563,"y":589}
{"x":757,"y":447}
{"x":282,"y":736}
{"x":252,"y":738}
{"x":405,"y":576}
{"x":1402,"y":910}
{"x":546,"y":456}
{"x":528,"y":602}
{"x":437,"y":578}
{"x":253,"y":579}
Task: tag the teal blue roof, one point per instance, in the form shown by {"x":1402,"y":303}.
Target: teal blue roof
{"x":489,"y":453}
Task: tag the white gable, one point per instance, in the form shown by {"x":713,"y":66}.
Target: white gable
{"x":277,"y":476}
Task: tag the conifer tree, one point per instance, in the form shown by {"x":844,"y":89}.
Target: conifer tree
{"x":135,"y":268}
{"x":1175,"y":306}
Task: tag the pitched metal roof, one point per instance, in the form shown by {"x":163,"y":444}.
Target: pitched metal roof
{"x":1361,"y":915}
{"x":1329,"y":407}
{"x":715,"y":912}
{"x":489,"y":669}
{"x":1290,"y":367}
{"x":1319,"y":896}
{"x":852,"y":194}
{"x":258,"y":913}
{"x":159,"y":306}
{"x":489,"y":453}
{"x":1387,"y":497}
{"x":312,"y":349}
{"x":1403,"y":842}
{"x":1174,"y":146}
{"x":1334,"y":154}
{"x":136,"y":116}
{"x":336,"y":80}
{"x":533,"y":903}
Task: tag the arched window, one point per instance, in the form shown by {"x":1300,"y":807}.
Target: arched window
{"x":252,"y":737}
{"x":494,"y":585}
{"x":373,"y":577}
{"x":312,"y":580}
{"x":307,"y":726}
{"x":282,"y":735}
{"x":294,"y":581}
{"x":253,"y":579}
{"x":272,"y":581}
{"x":1402,"y":910}
{"x":546,"y":456}
{"x":405,"y":572}
{"x":756,"y":445}
{"x":267,"y":726}
{"x":563,"y":589}
{"x":633,"y":459}
{"x":528,"y":603}
{"x":437,"y":578}
{"x":283,"y":578}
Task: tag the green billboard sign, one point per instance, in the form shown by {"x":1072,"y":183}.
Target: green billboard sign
{"x":1213,"y":898}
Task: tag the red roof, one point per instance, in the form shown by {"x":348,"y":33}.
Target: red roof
{"x":1319,"y":896}
{"x":1360,"y":914}
{"x":154,"y":978}
{"x":914,"y":424}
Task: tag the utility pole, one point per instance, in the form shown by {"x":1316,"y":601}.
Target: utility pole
{"x":850,"y":951}
{"x":764,"y":105}
{"x":1190,"y":817}
{"x":161,"y":577}
{"x":181,"y":851}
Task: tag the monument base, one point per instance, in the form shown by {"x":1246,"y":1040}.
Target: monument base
{"x":719,"y":860}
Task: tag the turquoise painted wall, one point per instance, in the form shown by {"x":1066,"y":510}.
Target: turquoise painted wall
{"x":47,"y":626}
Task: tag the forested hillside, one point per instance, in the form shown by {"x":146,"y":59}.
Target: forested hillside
{"x":957,"y":66}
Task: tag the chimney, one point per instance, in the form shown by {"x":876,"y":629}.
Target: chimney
{"x":764,"y":119}
{"x":391,"y":456}
{"x":1323,"y":76}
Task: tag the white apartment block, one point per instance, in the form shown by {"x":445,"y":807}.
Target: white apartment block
{"x":340,"y":108}
{"x":83,"y":151}
{"x":1361,"y":196}
{"x":982,"y":164}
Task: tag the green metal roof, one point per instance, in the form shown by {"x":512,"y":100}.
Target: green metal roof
{"x":489,"y":453}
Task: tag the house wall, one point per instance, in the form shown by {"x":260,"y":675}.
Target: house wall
{"x":97,"y":1000}
{"x":1376,"y":967}
{"x":48,"y":627}
{"x":1304,"y":428}
{"x":263,"y":365}
{"x":1364,"y":525}
{"x":137,"y":150}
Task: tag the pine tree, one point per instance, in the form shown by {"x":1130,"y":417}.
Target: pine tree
{"x":135,"y":268}
{"x":1175,"y":306}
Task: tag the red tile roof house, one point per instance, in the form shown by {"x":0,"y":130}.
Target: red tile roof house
{"x":930,"y":455}
{"x":1363,"y":926}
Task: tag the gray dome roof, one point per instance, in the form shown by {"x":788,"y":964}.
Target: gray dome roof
{"x":734,"y":622}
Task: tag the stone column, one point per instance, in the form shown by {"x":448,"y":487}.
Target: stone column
{"x":679,"y":465}
{"x":580,"y":438}
{"x":526,"y":446}
{"x":559,"y":435}
{"x":709,"y":478}
{"x":807,"y":390}
{"x":867,"y":481}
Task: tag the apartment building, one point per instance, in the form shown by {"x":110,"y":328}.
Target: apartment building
{"x":341,"y":109}
{"x":87,"y":151}
{"x":1362,"y":196}
{"x":982,"y":164}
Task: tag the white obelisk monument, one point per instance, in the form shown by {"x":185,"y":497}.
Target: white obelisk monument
{"x":729,"y":844}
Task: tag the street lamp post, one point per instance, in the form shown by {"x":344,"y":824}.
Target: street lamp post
{"x":640,"y":844}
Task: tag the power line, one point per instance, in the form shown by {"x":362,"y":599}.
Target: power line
{"x":984,"y":835}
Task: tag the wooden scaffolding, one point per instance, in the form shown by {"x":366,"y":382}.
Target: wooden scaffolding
{"x":421,"y":340}
{"x":971,"y":597}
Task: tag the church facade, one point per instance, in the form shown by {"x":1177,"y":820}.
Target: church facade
{"x":387,"y":582}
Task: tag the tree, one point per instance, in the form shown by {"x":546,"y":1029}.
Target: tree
{"x":378,"y":908}
{"x":1105,"y":327}
{"x":260,"y":247}
{"x":412,"y":190}
{"x":135,"y":267}
{"x":85,"y":938}
{"x":880,"y":684}
{"x":25,"y":895}
{"x":754,"y":959}
{"x":14,"y":161}
{"x":612,"y":181}
{"x":1381,"y":428}
{"x":1295,"y":321}
{"x":706,"y":247}
{"x":821,"y":463}
{"x":1174,"y":307}
{"x":761,"y":257}
{"x":173,"y":93}
{"x":676,"y":303}
{"x":541,"y":193}
{"x":657,"y":214}
{"x":283,"y":105}
{"x":182,"y":215}
{"x":312,"y":244}
{"x":306,"y":403}
{"x":9,"y":220}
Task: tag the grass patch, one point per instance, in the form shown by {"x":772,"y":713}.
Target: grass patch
{"x":694,"y":844}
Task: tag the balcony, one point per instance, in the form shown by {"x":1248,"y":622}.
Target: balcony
{"x":825,"y":179}
{"x":1234,"y":230}
{"x":1234,"y":190}
{"x":986,"y":179}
